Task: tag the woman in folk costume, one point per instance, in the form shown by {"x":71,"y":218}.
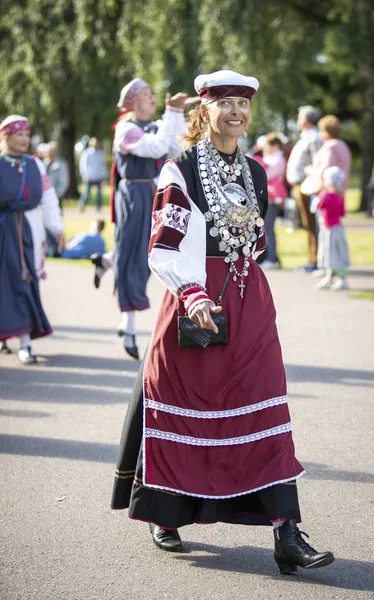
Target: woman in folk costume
{"x":26,"y":199}
{"x":138,"y":146}
{"x":207,"y":436}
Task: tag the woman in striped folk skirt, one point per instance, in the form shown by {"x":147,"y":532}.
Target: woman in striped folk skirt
{"x":208,"y":435}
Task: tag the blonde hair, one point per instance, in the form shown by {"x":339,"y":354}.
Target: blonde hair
{"x":129,"y":116}
{"x":331,"y":125}
{"x":196,"y":128}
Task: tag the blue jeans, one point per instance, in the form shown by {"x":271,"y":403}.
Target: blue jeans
{"x":87,"y":192}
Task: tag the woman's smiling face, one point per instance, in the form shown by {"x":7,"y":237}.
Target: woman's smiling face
{"x":227,"y":117}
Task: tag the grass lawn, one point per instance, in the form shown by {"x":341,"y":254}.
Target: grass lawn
{"x":363,"y":295}
{"x":292,"y":247}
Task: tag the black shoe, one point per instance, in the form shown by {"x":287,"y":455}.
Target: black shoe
{"x":97,"y":260}
{"x":166,"y":539}
{"x":133,"y":349}
{"x":4,"y":349}
{"x":292,"y":551}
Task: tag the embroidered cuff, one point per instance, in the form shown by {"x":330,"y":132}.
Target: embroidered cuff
{"x":195,"y":298}
{"x":194,"y":301}
{"x":192,"y":294}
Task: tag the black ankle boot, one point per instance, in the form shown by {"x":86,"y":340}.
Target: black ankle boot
{"x":292,"y":551}
{"x":166,"y":539}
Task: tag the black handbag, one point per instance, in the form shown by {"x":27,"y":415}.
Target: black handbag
{"x":191,"y":335}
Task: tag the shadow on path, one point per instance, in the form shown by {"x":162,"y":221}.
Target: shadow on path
{"x":328,"y":375}
{"x":27,"y":414}
{"x":91,"y":362}
{"x":94,"y":330}
{"x":38,"y":383}
{"x":345,"y":574}
{"x":107,"y":453}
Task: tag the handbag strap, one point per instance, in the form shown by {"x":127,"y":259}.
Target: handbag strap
{"x":219,"y":299}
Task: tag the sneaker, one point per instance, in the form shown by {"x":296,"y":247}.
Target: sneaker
{"x":307,"y":268}
{"x":340,"y":284}
{"x":325,"y":283}
{"x":319,"y":273}
{"x":26,"y":356}
{"x":267,"y":265}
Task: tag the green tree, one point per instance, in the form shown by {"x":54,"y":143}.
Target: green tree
{"x":64,"y":62}
{"x":62,"y":66}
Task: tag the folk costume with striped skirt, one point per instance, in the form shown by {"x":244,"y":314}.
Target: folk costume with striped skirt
{"x":207,"y":436}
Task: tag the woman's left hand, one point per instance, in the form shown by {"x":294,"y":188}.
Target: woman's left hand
{"x":201,"y":315}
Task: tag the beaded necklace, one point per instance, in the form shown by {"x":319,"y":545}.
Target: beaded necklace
{"x":233,"y":210}
{"x":14,"y":161}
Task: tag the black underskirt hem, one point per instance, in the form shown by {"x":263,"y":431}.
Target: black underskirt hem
{"x":172,"y":511}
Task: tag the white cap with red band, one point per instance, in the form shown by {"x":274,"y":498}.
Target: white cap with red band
{"x":14,"y":123}
{"x":129,"y":93}
{"x":225,"y":84}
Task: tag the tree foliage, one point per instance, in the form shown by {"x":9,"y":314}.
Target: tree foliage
{"x":64,"y":62}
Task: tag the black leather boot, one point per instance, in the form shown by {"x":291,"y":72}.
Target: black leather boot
{"x":292,"y":551}
{"x":166,"y":539}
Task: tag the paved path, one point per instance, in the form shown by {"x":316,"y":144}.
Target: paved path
{"x":61,"y":422}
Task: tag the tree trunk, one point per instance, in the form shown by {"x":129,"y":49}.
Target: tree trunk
{"x":67,"y":130}
{"x":67,"y":140}
{"x":367,"y":147}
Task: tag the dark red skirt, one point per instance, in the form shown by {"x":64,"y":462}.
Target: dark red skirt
{"x":216,"y":422}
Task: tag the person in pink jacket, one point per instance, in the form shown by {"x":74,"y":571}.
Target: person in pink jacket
{"x":333,"y":153}
{"x":274,"y":163}
{"x":333,"y":254}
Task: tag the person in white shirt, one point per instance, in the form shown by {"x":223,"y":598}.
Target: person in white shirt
{"x":93,"y":170}
{"x":301,"y":156}
{"x":57,"y":171}
{"x":140,"y":147}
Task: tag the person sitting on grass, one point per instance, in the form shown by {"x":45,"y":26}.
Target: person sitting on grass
{"x":86,"y":243}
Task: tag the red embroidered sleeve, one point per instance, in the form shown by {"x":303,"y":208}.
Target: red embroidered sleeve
{"x":170,"y":217}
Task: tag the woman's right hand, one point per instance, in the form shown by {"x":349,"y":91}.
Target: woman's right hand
{"x":176,"y":101}
{"x":201,"y":315}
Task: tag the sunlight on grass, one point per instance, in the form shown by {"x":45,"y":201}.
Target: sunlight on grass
{"x":362,"y":295}
{"x":292,"y":247}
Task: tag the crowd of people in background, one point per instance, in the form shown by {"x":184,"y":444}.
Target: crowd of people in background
{"x":300,"y":172}
{"x":312,"y":173}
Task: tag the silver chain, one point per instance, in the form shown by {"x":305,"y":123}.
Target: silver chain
{"x":235,"y":217}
